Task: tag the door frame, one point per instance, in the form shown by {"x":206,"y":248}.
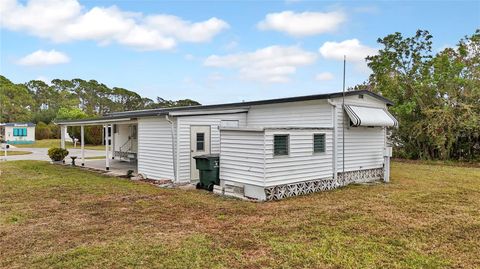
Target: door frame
{"x":190,"y":146}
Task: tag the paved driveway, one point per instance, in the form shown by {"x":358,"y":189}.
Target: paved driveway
{"x":40,"y":154}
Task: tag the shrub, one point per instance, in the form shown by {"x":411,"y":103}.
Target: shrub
{"x":93,"y":134}
{"x":42,"y":131}
{"x":54,"y":130}
{"x":57,"y":154}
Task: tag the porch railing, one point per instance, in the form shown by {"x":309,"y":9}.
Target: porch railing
{"x":125,"y":151}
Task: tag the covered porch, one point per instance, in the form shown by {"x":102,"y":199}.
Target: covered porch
{"x":116,"y":168}
{"x":120,"y":142}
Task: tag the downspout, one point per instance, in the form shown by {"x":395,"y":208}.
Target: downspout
{"x":174,"y":159}
{"x":334,"y":155}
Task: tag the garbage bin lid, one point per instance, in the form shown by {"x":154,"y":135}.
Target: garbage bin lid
{"x":207,"y":156}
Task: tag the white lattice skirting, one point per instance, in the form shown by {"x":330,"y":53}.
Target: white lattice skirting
{"x":325,"y":184}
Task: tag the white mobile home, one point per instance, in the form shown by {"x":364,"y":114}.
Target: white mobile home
{"x":269,"y":149}
{"x":17,"y":133}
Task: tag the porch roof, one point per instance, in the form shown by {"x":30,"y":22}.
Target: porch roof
{"x":96,"y":121}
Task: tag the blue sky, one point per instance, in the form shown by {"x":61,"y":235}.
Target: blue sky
{"x":214,"y":51}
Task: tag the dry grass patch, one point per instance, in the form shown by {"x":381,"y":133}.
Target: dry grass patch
{"x":52,"y":216}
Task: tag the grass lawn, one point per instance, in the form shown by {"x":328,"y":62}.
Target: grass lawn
{"x":50,"y":143}
{"x":14,"y":152}
{"x":63,"y":217}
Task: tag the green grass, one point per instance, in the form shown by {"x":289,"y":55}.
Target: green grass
{"x":63,"y":217}
{"x":14,"y":152}
{"x":50,"y":143}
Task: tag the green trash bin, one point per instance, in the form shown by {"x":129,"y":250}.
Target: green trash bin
{"x":208,"y":168}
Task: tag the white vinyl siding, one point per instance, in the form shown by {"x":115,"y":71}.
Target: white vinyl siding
{"x":248,"y":157}
{"x":242,"y":158}
{"x":121,"y":137}
{"x":363,"y":145}
{"x":155,"y":148}
{"x":300,"y":164}
{"x":316,"y":113}
{"x":183,"y":125}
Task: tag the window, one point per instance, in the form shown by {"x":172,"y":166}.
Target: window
{"x":200,"y":141}
{"x":280,"y":145}
{"x":318,"y":143}
{"x":19,"y":131}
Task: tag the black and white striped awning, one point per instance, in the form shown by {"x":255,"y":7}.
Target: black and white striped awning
{"x":370,"y":116}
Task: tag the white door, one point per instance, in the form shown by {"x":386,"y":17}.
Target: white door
{"x":199,"y":145}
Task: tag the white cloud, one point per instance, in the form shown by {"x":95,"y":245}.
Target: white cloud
{"x":40,"y":18}
{"x":352,"y":48}
{"x":324,"y":76}
{"x":42,"y":58}
{"x":303,"y":24}
{"x":67,"y":20}
{"x":146,"y":39}
{"x":270,"y":64}
{"x":169,"y":25}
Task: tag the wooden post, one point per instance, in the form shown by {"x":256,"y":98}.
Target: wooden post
{"x":112,"y":137}
{"x":386,"y":166}
{"x":107,"y":159}
{"x":82,"y":143}
{"x":63,"y":130}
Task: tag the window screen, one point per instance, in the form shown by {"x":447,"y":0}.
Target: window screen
{"x":319,"y":143}
{"x":280,"y":145}
{"x":200,"y":141}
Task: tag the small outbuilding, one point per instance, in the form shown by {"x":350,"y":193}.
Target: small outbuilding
{"x":17,"y":133}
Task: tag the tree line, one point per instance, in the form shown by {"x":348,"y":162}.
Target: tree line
{"x":42,"y":103}
{"x":436,"y":95}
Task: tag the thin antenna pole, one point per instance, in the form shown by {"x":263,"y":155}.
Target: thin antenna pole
{"x":343,"y":117}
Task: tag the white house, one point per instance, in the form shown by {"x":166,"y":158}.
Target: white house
{"x":269,"y":149}
{"x":17,"y":133}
